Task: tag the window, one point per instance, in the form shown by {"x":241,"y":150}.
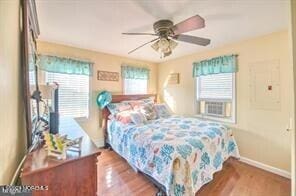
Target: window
{"x":73,"y":93}
{"x":135,"y":86}
{"x":135,"y":79}
{"x":32,"y":79}
{"x":216,"y":96}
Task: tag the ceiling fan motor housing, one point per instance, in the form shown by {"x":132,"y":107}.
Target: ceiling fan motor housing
{"x":163,"y":27}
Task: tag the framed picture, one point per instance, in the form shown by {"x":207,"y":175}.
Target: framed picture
{"x":108,"y":76}
{"x":174,"y":78}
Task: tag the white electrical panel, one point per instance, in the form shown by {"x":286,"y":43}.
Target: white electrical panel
{"x":265,"y":85}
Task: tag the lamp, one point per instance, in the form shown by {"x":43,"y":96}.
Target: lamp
{"x":46,"y":94}
{"x":46,"y":91}
{"x":49,"y":96}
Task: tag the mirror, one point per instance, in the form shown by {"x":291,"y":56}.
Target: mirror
{"x":32,"y":77}
{"x":30,"y":34}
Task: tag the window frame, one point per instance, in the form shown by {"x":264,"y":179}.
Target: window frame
{"x":123,"y":87}
{"x":83,"y":118}
{"x":231,"y":120}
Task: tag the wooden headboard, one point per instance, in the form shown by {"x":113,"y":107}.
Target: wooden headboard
{"x":117,"y":99}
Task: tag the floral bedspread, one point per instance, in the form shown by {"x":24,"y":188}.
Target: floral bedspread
{"x":180,"y":153}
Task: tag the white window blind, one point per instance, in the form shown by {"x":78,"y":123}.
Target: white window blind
{"x":215,"y":87}
{"x":32,"y":79}
{"x":73,"y":93}
{"x":135,"y":86}
{"x":216,"y":97}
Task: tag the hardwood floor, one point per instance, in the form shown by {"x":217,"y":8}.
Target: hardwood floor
{"x":116,"y":177}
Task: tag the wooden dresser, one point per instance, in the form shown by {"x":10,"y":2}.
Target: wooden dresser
{"x":76,"y":175}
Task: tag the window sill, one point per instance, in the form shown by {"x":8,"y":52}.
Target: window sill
{"x":229,"y":121}
{"x":81,"y":119}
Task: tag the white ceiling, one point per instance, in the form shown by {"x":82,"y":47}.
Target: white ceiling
{"x":98,"y":24}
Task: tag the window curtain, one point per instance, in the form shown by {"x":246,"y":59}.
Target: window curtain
{"x":64,"y":65}
{"x":222,"y":64}
{"x":130,"y":72}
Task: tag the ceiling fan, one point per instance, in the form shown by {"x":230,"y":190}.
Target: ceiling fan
{"x":167,"y":32}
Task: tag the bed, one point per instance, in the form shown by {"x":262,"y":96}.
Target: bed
{"x":180,"y":154}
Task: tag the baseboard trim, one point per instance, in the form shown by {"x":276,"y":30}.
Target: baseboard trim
{"x":99,"y":143}
{"x":265,"y":167}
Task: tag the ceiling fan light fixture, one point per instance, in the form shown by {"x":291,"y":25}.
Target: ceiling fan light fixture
{"x":166,"y":50}
{"x":167,"y":54}
{"x":166,"y":29}
{"x":164,"y":46}
{"x":155,"y":46}
{"x":163,"y":43}
{"x":173,"y":44}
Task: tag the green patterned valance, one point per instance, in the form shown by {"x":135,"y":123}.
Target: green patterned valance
{"x":129,"y":72}
{"x":64,"y":65}
{"x":222,"y":64}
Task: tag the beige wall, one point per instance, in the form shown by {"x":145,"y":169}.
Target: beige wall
{"x":12,"y":129}
{"x":104,"y":62}
{"x":261,"y":134}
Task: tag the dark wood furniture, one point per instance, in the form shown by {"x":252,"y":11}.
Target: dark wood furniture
{"x":117,"y":99}
{"x":76,"y":175}
{"x":29,"y":35}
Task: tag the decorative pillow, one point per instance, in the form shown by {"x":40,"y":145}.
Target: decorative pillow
{"x":118,"y":107}
{"x":130,"y":116}
{"x":138,"y":118}
{"x":149,"y":100}
{"x":147,"y":110}
{"x":137,"y":103}
{"x":124,"y":116}
{"x":162,"y":110}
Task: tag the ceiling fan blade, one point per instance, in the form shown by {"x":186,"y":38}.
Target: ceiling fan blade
{"x":192,"y":23}
{"x":139,"y":34}
{"x":192,"y":39}
{"x":142,"y":45}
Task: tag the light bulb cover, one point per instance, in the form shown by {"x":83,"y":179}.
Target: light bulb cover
{"x":163,"y":43}
{"x":173,"y":44}
{"x":155,"y":46}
